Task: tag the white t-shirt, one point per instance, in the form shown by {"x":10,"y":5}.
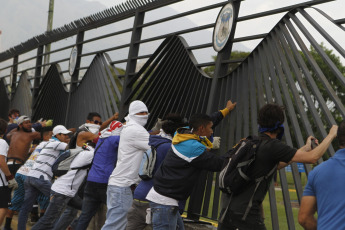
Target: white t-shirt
{"x":160,"y":199}
{"x":133,"y":143}
{"x":25,"y":169}
{"x":46,"y":159}
{"x":69,"y":183}
{"x":3,"y":152}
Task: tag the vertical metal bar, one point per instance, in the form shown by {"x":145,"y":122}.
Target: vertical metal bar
{"x":293,"y":118}
{"x":269,"y":98}
{"x":49,"y":28}
{"x":265,"y":75}
{"x":252,"y":96}
{"x":273,"y":207}
{"x":75,"y":76}
{"x":245,"y":96}
{"x":132,"y":62}
{"x":221,"y":68}
{"x":239,"y":110}
{"x":110,"y":83}
{"x":257,"y":75}
{"x":38,"y":73}
{"x":14,"y":76}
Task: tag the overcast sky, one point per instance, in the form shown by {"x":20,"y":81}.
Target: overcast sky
{"x":335,"y":9}
{"x":263,"y":25}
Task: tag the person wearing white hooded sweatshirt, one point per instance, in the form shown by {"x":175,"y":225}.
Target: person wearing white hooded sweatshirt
{"x":133,"y":143}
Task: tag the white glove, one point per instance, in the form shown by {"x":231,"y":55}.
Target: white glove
{"x":13,"y":184}
{"x":216,"y":142}
{"x":158,"y":125}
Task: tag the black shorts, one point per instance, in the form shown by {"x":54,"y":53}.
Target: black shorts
{"x":5,"y":197}
{"x":14,"y":165}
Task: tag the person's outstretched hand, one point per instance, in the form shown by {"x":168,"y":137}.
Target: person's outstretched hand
{"x":230,"y":106}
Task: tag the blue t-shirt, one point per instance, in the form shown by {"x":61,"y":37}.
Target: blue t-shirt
{"x":327,"y":183}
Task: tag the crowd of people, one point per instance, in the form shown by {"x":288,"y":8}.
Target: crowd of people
{"x":71,"y":173}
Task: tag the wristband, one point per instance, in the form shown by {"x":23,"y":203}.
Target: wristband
{"x":10,"y":177}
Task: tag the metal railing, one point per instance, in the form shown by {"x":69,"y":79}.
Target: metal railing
{"x":281,"y":69}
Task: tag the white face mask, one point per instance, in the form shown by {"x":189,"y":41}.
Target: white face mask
{"x":140,"y":119}
{"x":93,"y":128}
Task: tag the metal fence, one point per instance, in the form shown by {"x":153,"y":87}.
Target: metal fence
{"x":288,"y":67}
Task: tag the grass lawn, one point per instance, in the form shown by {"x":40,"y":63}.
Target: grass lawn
{"x":281,"y":211}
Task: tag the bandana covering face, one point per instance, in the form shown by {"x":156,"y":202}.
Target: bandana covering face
{"x":134,"y":108}
{"x":277,"y":126}
{"x":140,"y":119}
{"x":93,"y":128}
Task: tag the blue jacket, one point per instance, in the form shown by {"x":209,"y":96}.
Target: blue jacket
{"x":104,"y":160}
{"x":164,"y":145}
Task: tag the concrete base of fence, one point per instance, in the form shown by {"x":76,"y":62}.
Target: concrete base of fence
{"x":194,"y":226}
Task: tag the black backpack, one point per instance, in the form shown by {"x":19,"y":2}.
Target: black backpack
{"x":233,"y":177}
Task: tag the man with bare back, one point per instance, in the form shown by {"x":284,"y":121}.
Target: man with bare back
{"x":20,"y":142}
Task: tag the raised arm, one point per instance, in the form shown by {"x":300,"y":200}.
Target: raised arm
{"x":107,"y":122}
{"x":219,"y":115}
{"x":305,"y":155}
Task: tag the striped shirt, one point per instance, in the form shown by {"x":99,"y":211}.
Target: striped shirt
{"x":3,"y":152}
{"x":46,"y":158}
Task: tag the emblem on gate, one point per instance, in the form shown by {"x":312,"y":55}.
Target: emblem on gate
{"x":73,"y":60}
{"x":222,"y":29}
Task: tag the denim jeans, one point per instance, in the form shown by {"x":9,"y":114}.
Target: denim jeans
{"x":66,"y":219}
{"x":94,"y":195}
{"x":58,"y":203}
{"x":166,"y":217}
{"x":119,"y":200}
{"x":32,"y":187}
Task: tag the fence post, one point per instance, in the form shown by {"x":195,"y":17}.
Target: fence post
{"x":37,"y":79}
{"x":196,"y":198}
{"x":132,"y":61}
{"x":14,"y":76}
{"x":75,"y":75}
{"x":221,"y":68}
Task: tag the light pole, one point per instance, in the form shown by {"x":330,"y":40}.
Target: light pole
{"x":49,"y":28}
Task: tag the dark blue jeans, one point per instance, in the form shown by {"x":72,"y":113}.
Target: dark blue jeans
{"x":66,"y":219}
{"x":58,"y":203}
{"x":94,"y":195}
{"x":166,"y":217}
{"x":33,"y":186}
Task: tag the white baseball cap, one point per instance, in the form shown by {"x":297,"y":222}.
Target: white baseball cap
{"x":60,"y":129}
{"x":22,"y":119}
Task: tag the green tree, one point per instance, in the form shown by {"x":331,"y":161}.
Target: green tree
{"x":332,"y":79}
{"x":232,"y":66}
